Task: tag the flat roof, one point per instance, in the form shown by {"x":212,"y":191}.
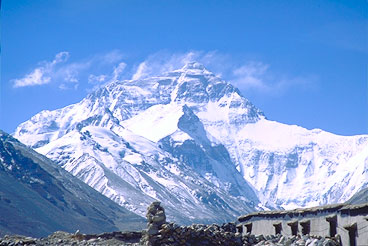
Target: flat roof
{"x":363,"y":208}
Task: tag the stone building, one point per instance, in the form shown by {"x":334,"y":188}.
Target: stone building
{"x":350,"y":222}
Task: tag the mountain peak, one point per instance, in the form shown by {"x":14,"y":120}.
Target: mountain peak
{"x":203,"y":121}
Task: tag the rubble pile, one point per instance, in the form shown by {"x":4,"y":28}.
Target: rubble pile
{"x":77,"y":238}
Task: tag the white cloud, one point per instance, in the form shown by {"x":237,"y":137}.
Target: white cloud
{"x":111,"y":57}
{"x":118,"y":70}
{"x":36,"y":77}
{"x":100,"y":80}
{"x":41,"y":75}
{"x":141,"y":71}
{"x":68,"y":75}
{"x":246,"y":75}
{"x":65,"y":86}
{"x":115,"y":75}
{"x":60,"y":57}
{"x":257,"y":76}
{"x":92,"y":79}
{"x":162,"y":62}
{"x":251,"y":75}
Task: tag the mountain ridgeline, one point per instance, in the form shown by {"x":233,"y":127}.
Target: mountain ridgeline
{"x":193,"y":141}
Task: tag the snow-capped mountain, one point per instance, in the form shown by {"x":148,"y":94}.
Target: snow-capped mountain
{"x":37,"y":197}
{"x":191,"y":140}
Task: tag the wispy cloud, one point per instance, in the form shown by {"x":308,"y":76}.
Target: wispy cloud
{"x":92,"y":79}
{"x":100,"y":69}
{"x":259,"y":77}
{"x":162,"y":62}
{"x":100,"y":80}
{"x":251,"y":75}
{"x":254,"y":76}
{"x":111,"y":57}
{"x":118,"y":70}
{"x":42,"y":74}
{"x":68,"y":75}
{"x":142,"y":71}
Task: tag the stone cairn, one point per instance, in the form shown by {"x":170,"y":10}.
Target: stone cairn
{"x":156,"y":218}
{"x":161,"y":233}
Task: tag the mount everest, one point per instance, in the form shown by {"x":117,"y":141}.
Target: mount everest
{"x":194,"y":142}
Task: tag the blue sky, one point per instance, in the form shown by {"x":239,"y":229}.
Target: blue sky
{"x":301,"y":62}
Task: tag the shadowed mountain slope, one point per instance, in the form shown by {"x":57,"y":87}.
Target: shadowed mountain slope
{"x":37,"y":197}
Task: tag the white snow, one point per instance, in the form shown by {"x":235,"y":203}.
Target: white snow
{"x":156,"y":122}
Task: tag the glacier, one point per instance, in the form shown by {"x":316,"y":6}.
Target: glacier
{"x":193,"y":141}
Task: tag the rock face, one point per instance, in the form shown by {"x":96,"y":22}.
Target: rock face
{"x":192,"y":140}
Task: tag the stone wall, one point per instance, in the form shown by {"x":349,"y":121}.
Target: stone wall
{"x":161,"y":233}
